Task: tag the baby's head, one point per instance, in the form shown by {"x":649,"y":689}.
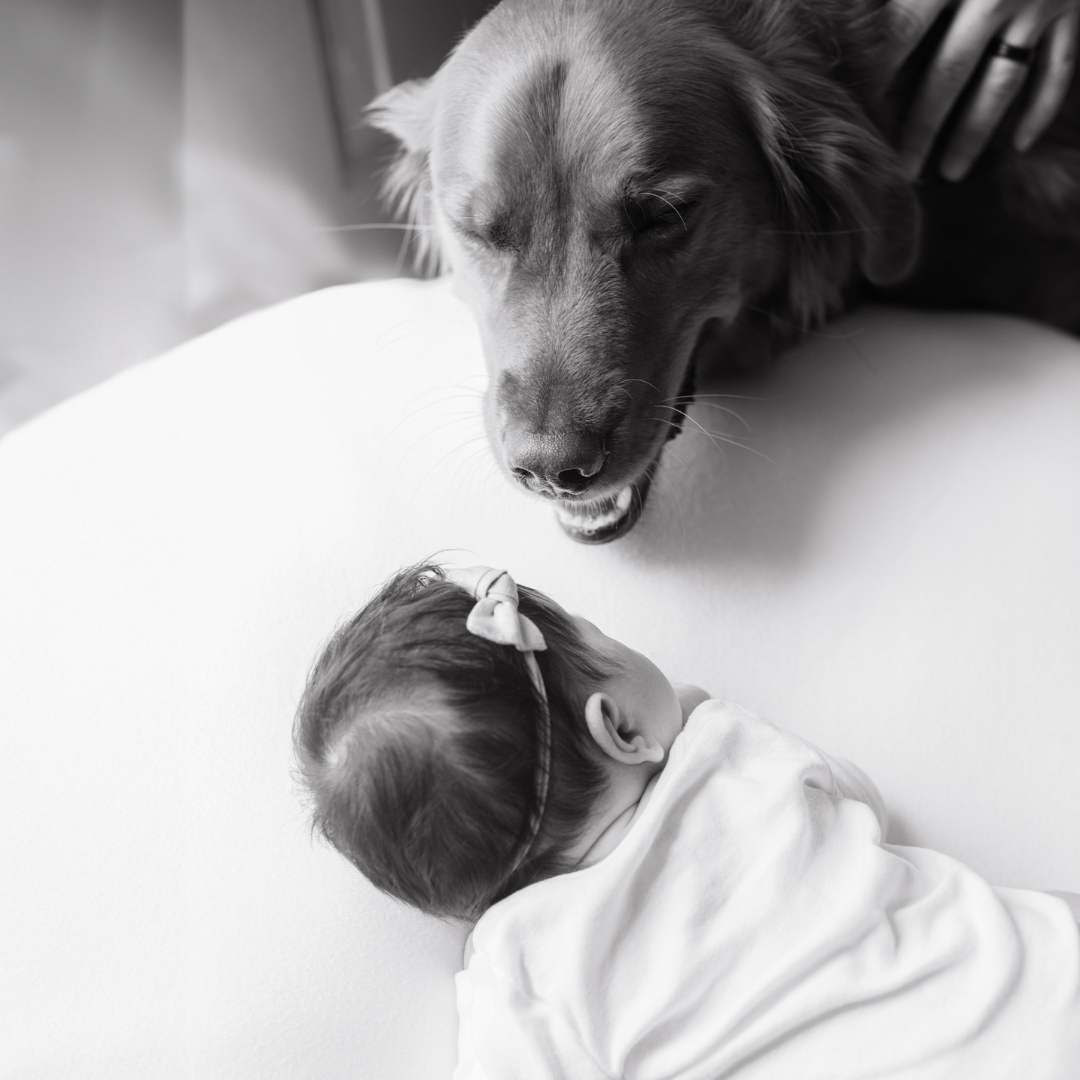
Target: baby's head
{"x":452,"y":769}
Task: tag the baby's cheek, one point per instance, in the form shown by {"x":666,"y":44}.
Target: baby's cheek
{"x":690,"y":697}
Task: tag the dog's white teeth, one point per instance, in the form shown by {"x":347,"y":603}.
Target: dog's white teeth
{"x":595,"y":522}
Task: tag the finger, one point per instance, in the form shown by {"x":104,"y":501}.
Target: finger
{"x":906,"y":23}
{"x":960,"y":54}
{"x":997,"y":90}
{"x":1053,"y":77}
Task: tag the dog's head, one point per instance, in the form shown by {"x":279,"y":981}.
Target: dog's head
{"x":618,"y":190}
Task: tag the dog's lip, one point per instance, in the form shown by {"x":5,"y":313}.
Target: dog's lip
{"x":597,"y":514}
{"x":603,"y":520}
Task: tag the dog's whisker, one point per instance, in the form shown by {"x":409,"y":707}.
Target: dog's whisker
{"x":459,"y":390}
{"x":439,"y":395}
{"x":708,"y":405}
{"x":732,"y":397}
{"x":459,"y":447}
{"x":435,"y":465}
{"x":467,"y":464}
{"x":743,"y":446}
{"x":673,"y":424}
{"x":797,"y":328}
{"x":689,"y":472}
{"x":728,"y":412}
{"x":452,"y":423}
{"x":644,"y":382}
{"x":669,"y":452}
{"x":492,"y":473}
{"x":706,"y":398}
{"x":858,"y":231}
{"x":662,"y":497}
{"x":459,"y":422}
{"x":820,"y":333}
{"x":656,"y":195}
{"x":467,"y":458}
{"x":716,"y":437}
{"x":445,"y":400}
{"x":669,"y":423}
{"x":691,"y":432}
{"x":384,"y":345}
{"x":470,"y":440}
{"x":681,"y":426}
{"x":488,"y":473}
{"x":368,"y":226}
{"x":459,"y":417}
{"x":475,"y":413}
{"x":673,"y":195}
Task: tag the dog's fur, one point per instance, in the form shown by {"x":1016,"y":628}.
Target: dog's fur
{"x":625,"y":188}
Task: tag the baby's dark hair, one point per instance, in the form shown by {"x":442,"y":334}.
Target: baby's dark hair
{"x":419,"y":743}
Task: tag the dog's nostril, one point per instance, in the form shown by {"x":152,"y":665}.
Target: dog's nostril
{"x":524,"y":475}
{"x":575,"y":479}
{"x":579,"y":476}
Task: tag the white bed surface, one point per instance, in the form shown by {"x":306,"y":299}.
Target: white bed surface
{"x":885,"y":563}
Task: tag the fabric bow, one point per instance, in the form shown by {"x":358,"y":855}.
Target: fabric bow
{"x":495,"y":616}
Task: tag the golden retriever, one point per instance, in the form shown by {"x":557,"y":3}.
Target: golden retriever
{"x":625,"y":189}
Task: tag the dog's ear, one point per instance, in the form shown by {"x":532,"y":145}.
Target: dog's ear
{"x":847,"y":204}
{"x":406,"y":113}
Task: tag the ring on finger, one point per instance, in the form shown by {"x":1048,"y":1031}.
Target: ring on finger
{"x":1018,"y":54}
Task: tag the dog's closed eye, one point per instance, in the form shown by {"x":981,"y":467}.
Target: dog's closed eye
{"x":658,"y":214}
{"x":495,"y":234}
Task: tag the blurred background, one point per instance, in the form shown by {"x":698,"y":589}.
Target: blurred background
{"x":166,"y":165}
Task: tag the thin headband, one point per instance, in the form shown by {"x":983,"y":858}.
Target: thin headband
{"x":495,"y":617}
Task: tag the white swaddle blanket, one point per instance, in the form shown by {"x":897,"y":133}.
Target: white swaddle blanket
{"x":753,"y":924}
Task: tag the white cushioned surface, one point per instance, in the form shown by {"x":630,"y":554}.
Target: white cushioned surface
{"x":890,"y":570}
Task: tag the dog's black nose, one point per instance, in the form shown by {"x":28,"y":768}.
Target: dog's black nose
{"x":564,"y":464}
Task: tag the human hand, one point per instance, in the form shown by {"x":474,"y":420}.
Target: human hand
{"x":1016,"y":35}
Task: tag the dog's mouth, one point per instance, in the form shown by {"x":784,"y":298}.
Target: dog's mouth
{"x":604,"y":520}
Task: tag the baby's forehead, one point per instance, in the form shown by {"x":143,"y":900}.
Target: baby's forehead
{"x":592,"y":633}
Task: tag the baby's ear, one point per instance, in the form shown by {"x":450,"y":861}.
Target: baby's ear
{"x":612,"y":734}
{"x":406,"y":112}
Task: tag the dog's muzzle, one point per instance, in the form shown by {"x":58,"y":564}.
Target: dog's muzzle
{"x":608,"y":519}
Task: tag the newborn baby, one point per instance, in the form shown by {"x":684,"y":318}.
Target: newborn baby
{"x":664,"y":886}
